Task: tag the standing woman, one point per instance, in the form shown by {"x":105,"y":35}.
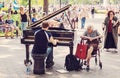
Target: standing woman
{"x":24,"y":18}
{"x":111,"y":31}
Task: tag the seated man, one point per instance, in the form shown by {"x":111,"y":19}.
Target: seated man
{"x":42,"y":37}
{"x":34,"y":18}
{"x":9,"y":26}
{"x":92,"y":37}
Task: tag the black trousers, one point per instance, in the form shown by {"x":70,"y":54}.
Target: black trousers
{"x":109,"y":43}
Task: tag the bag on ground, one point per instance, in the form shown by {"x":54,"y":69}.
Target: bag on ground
{"x":71,"y":63}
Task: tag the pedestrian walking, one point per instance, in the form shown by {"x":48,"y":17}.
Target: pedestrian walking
{"x":111,"y":32}
{"x":83,"y":16}
{"x":93,"y":12}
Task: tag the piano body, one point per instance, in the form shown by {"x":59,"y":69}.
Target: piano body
{"x":65,"y":36}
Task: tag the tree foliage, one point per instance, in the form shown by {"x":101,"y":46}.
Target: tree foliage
{"x":40,"y":2}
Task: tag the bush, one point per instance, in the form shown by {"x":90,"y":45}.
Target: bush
{"x":5,"y":9}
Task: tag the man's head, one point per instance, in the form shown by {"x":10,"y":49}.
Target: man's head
{"x":90,"y":29}
{"x":45,"y":25}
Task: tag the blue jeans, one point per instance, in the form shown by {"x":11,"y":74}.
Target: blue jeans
{"x":23,"y":25}
{"x":83,"y":22}
{"x":49,"y":55}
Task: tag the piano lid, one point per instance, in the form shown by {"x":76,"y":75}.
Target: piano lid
{"x":33,"y":25}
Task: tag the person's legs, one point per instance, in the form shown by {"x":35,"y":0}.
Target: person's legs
{"x":90,"y":50}
{"x":23,"y":26}
{"x":49,"y":60}
{"x":12,"y":31}
{"x":73,"y":23}
{"x":109,"y":43}
{"x":93,"y":16}
{"x":6,"y":32}
{"x":83,"y":22}
{"x":18,"y":30}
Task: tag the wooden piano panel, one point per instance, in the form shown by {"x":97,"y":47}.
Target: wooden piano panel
{"x":60,"y":35}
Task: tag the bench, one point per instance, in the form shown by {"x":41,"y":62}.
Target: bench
{"x":2,"y":30}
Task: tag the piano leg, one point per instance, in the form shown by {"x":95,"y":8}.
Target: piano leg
{"x":27,"y":55}
{"x":71,"y":48}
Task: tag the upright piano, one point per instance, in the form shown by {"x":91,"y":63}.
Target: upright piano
{"x":65,"y":36}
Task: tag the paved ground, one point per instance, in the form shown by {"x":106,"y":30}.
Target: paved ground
{"x":12,"y":55}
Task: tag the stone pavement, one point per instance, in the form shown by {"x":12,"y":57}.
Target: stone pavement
{"x":12,"y":55}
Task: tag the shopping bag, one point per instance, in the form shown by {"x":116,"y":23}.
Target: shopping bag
{"x":81,"y":50}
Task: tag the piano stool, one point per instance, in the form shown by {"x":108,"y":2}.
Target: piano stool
{"x":39,"y":63}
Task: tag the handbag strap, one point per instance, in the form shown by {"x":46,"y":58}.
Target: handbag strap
{"x":82,"y":41}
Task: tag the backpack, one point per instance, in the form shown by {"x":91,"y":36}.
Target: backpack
{"x":71,"y":63}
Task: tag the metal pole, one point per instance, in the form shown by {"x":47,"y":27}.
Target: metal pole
{"x":29,"y":12}
{"x":30,"y":9}
{"x":60,"y":3}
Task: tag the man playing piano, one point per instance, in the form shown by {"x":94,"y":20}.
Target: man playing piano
{"x":42,"y":38}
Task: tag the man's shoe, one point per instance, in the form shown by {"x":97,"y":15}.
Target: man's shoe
{"x":49,"y":65}
{"x":85,"y":63}
{"x":87,"y":68}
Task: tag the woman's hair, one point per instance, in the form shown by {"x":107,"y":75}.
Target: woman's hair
{"x":110,"y":12}
{"x":21,"y":8}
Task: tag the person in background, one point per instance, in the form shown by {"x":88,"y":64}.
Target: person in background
{"x":111,"y":24}
{"x":1,"y":19}
{"x":93,"y":12}
{"x":42,"y":38}
{"x":34,"y":19}
{"x":74,"y":18}
{"x":9,"y":26}
{"x":24,"y":18}
{"x":83,"y":15}
{"x":2,"y":23}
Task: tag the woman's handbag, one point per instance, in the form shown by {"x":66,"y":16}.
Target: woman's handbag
{"x":81,"y":51}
